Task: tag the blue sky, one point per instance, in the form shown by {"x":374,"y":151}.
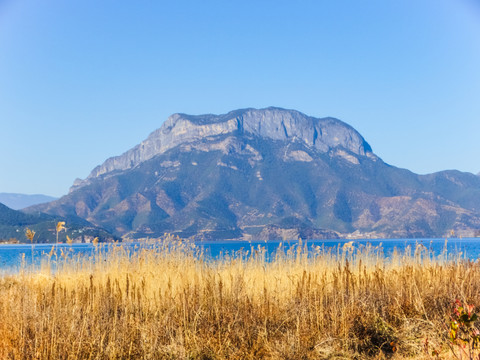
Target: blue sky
{"x":84,"y":80}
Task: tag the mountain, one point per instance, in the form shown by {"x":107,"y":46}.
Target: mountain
{"x":264,"y":174}
{"x":13,"y":225}
{"x":21,"y":201}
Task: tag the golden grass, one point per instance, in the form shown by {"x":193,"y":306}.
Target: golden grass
{"x":172,"y":303}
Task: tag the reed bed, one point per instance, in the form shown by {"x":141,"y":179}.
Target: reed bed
{"x":172,"y":302}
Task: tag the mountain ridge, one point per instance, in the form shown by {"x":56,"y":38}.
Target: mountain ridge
{"x":279,"y":124}
{"x":267,"y":174}
{"x":13,"y":224}
{"x":18,"y":201}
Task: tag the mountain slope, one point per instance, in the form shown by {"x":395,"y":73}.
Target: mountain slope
{"x":268,"y":173}
{"x":13,"y":224}
{"x":269,"y":124}
{"x":21,"y":201}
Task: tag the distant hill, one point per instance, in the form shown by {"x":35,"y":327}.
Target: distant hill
{"x":21,"y":201}
{"x":13,"y":224}
{"x":267,"y":174}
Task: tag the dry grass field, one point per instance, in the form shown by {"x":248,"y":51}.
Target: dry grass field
{"x":171,"y":302}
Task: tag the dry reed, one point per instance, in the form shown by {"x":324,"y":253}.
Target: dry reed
{"x":171,"y":302}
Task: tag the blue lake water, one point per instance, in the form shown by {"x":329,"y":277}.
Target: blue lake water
{"x":11,"y":255}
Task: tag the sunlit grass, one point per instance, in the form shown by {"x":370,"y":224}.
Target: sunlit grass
{"x":170,"y":301}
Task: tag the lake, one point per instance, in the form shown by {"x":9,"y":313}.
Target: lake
{"x":11,"y":254}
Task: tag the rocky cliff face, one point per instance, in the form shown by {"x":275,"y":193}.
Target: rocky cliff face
{"x":271,"y":123}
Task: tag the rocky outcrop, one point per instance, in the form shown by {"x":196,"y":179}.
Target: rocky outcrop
{"x":270,"y":123}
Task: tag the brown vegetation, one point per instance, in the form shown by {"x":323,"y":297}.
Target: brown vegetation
{"x":9,"y":241}
{"x":171,"y":302}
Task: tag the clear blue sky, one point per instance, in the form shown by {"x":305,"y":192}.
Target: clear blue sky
{"x":83,"y":80}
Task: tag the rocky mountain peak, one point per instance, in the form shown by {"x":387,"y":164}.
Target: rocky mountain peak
{"x":269,"y":123}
